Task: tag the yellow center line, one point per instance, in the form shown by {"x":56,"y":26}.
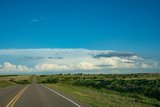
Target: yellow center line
{"x":13,"y":101}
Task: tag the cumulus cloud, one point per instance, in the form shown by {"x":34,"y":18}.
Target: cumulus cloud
{"x":146,"y":66}
{"x":12,"y":67}
{"x":70,"y":59}
{"x":86,"y":66}
{"x":116,"y":62}
{"x":49,"y":67}
{"x":46,"y":67}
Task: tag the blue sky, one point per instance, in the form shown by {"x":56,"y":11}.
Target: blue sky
{"x":79,"y":35}
{"x":123,"y":25}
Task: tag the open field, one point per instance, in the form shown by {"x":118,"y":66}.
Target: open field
{"x":97,"y":98}
{"x":29,"y":94}
{"x":10,"y":80}
{"x":97,"y":90}
{"x":135,"y":90}
{"x":4,"y":84}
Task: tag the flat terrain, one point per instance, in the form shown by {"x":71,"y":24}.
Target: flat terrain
{"x":34,"y":96}
{"x":108,"y":90}
{"x":7,"y":94}
{"x":85,"y":90}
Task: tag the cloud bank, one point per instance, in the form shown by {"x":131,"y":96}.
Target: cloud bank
{"x":43,"y":60}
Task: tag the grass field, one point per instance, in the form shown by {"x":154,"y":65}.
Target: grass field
{"x":98,"y":90}
{"x":131,"y":90}
{"x":4,"y":84}
{"x":97,"y":98}
{"x":10,"y":80}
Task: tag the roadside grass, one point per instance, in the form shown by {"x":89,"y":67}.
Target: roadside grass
{"x":4,"y":83}
{"x":21,"y":79}
{"x":97,"y":98}
{"x":17,"y":79}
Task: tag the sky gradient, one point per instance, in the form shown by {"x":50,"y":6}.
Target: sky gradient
{"x":132,"y":25}
{"x":122,"y":26}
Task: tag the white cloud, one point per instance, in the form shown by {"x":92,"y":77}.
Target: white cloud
{"x":80,"y":66}
{"x":135,"y":57}
{"x":16,"y":68}
{"x":34,"y":20}
{"x":86,"y":66}
{"x":68,"y":59}
{"x":8,"y":66}
{"x":116,"y":62}
{"x":48,"y":67}
{"x":146,"y":66}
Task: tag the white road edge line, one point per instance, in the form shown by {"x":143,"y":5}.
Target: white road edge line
{"x":61,"y":96}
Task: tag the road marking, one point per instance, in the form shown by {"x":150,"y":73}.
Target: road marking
{"x":13,"y":101}
{"x":62,"y":96}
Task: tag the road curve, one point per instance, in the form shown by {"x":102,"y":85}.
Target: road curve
{"x":35,"y":95}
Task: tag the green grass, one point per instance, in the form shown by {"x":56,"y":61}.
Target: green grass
{"x":4,"y":83}
{"x":134,"y":85}
{"x":9,"y":80}
{"x":108,"y":90}
{"x":97,"y":98}
{"x":99,"y":90}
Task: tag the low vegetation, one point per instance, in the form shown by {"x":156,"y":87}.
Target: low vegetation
{"x":23,"y":81}
{"x":9,"y":80}
{"x":99,"y":90}
{"x":97,"y":98}
{"x":142,"y":88}
{"x":4,"y":83}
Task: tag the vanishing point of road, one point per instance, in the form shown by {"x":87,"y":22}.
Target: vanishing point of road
{"x":33,"y":95}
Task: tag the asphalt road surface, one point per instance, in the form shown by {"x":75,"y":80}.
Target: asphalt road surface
{"x":33,"y":95}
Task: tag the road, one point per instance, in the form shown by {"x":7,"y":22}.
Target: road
{"x":33,"y":95}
